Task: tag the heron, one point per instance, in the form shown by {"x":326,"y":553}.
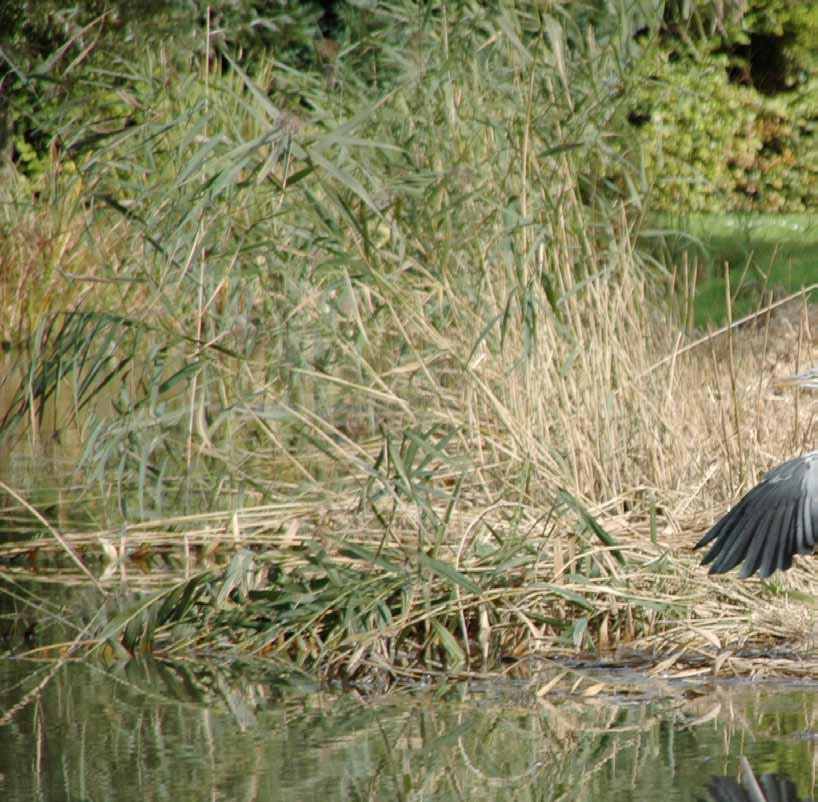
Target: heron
{"x":775,"y":520}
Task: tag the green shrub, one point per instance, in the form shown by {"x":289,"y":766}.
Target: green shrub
{"x":725,"y":120}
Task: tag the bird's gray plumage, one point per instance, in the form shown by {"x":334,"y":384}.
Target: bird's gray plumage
{"x":773,"y":788}
{"x":772,"y":523}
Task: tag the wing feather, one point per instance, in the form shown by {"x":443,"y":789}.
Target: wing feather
{"x":774,"y":521}
{"x":789,"y":547}
{"x":739,"y":530}
{"x":763,"y":544}
{"x":777,"y":543}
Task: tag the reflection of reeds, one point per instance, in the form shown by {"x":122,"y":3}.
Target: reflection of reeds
{"x":404,"y":345}
{"x":210,"y":732}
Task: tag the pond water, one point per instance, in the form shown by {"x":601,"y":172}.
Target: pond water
{"x":148,"y":730}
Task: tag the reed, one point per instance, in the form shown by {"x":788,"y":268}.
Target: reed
{"x":380,"y":371}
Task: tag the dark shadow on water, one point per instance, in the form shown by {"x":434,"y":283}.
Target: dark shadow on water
{"x":766,"y":788}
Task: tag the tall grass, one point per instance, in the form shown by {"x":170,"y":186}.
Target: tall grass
{"x":300,"y":279}
{"x":406,"y":300}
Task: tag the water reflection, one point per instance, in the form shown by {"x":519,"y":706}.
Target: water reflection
{"x":152,"y":730}
{"x":766,"y":788}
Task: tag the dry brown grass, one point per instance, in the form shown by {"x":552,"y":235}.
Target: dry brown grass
{"x":653,"y":436}
{"x":57,"y":252}
{"x":442,"y":366}
{"x":688,"y":436}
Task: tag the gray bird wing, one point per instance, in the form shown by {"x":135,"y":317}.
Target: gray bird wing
{"x":776,"y":520}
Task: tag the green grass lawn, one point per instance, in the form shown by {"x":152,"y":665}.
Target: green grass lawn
{"x":769,"y":256}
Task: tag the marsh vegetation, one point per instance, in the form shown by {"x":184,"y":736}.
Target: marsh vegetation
{"x":353,"y":358}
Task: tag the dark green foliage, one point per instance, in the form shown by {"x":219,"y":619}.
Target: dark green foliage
{"x":724,"y":107}
{"x":63,"y":68}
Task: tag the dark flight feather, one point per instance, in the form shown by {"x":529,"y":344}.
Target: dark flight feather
{"x":774,"y":521}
